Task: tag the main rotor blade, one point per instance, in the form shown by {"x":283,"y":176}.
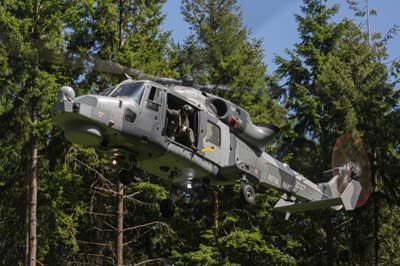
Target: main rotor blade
{"x":94,"y":63}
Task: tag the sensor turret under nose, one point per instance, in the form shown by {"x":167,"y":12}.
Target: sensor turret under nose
{"x":66,"y":93}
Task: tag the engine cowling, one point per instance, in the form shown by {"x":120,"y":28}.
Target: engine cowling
{"x":239,"y":121}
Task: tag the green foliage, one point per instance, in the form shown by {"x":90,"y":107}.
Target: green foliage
{"x":128,"y":33}
{"x":29,"y":83}
{"x":335,"y":82}
{"x":246,"y":247}
{"x":389,"y":233}
{"x":219,"y":50}
{"x":206,"y":255}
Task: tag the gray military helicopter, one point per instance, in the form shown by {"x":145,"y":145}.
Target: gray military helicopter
{"x":131,"y":124}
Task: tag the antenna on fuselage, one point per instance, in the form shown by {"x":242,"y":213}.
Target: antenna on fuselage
{"x":127,"y":76}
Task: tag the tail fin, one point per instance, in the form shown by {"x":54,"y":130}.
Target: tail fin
{"x":351,"y":194}
{"x":347,"y":189}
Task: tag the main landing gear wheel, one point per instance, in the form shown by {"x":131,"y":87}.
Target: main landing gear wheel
{"x":247,"y":193}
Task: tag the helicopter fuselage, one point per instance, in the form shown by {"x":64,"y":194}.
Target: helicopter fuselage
{"x":129,"y":123}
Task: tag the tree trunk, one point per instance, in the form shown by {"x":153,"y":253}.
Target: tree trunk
{"x":121,"y":24}
{"x":120,"y":225}
{"x":27,"y":213}
{"x":33,"y":192}
{"x":330,"y":252}
{"x":31,"y":261}
{"x":376,"y":230}
{"x":99,"y":208}
{"x":216,"y":214}
{"x":120,"y":215}
{"x":376,"y":207}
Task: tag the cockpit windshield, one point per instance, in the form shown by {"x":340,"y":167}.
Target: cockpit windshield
{"x":133,"y":90}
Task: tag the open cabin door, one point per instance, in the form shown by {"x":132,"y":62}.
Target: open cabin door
{"x":214,"y":139}
{"x":177,"y":120}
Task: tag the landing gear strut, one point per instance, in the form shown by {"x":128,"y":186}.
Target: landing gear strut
{"x":247,"y":192}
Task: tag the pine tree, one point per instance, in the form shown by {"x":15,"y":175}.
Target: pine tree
{"x":220,"y":51}
{"x":336,"y":83}
{"x":127,"y":33}
{"x":29,"y":84}
{"x":219,"y":47}
{"x":359,"y":65}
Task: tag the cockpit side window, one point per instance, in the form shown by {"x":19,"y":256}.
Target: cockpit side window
{"x":130,"y":90}
{"x":107,"y":91}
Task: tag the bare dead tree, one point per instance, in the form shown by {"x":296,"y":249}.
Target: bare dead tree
{"x":33,"y":192}
{"x":120,"y":225}
{"x":108,"y":219}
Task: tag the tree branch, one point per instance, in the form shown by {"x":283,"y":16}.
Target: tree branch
{"x":102,"y":230}
{"x":343,"y":223}
{"x":91,"y":168}
{"x":111,"y":226}
{"x":94,"y":243}
{"x":142,"y":202}
{"x":113,"y":192}
{"x":92,"y":255}
{"x":100,"y":214}
{"x":133,"y":240}
{"x":133,"y":194}
{"x":102,"y":194}
{"x":145,"y":225}
{"x":150,"y":261}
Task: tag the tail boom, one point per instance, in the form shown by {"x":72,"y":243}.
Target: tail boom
{"x":330,"y":197}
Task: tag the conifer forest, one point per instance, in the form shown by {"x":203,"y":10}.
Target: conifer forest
{"x":62,"y":203}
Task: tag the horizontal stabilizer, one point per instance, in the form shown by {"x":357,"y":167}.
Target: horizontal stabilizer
{"x":348,"y":199}
{"x":290,"y":206}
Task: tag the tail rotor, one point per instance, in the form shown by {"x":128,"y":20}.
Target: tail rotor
{"x":350,"y":162}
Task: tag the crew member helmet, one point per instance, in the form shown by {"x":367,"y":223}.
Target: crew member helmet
{"x":187,"y":109}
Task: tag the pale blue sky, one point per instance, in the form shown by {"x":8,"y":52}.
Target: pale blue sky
{"x":273,"y":21}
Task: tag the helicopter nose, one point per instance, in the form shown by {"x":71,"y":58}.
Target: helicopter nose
{"x":66,"y":93}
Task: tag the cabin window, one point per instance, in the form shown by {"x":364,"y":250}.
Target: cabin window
{"x":213,"y":133}
{"x":132,"y":90}
{"x":155,"y":95}
{"x":154,"y":100}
